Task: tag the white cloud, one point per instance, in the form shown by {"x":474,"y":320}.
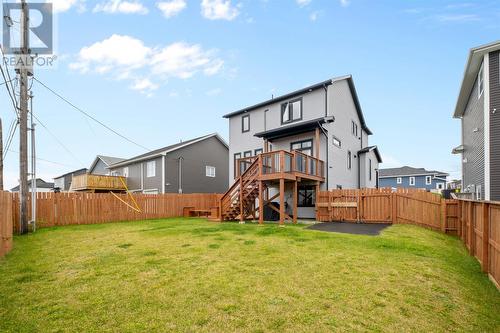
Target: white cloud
{"x":345,"y":3}
{"x":219,"y":10}
{"x":314,"y":16}
{"x":171,"y":8}
{"x":303,"y":3}
{"x":457,"y":18}
{"x":121,"y":6}
{"x":60,"y":6}
{"x":127,"y":58}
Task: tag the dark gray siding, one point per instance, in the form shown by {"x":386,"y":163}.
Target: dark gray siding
{"x":495,"y":126}
{"x":473,"y":141}
{"x":100,"y":168}
{"x":196,"y":157}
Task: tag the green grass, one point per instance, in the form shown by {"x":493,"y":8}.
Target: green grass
{"x":190,"y":275}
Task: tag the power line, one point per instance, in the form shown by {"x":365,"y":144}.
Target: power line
{"x":90,"y":116}
{"x":48,"y":161}
{"x":12,"y":132}
{"x":57,"y":139}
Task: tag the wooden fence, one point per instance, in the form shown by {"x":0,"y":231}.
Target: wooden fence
{"x":6,"y":219}
{"x":56,"y":209}
{"x":479,"y":228}
{"x":387,"y":206}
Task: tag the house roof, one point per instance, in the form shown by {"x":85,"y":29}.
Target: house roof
{"x":297,"y":128}
{"x":309,"y":89}
{"x":108,"y":160}
{"x":374,"y":149}
{"x":408,"y":171}
{"x":471,"y":71}
{"x":168,"y":149}
{"x":40,"y":183}
{"x":82,"y":170}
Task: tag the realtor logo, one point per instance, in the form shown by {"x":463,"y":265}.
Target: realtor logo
{"x":40,"y":28}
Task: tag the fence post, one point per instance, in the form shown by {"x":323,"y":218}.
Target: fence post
{"x":444,"y":216}
{"x":471,"y":235}
{"x":459,"y":219}
{"x":394,"y":200}
{"x":486,"y":237}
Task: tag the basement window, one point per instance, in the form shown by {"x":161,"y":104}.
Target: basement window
{"x":306,"y":196}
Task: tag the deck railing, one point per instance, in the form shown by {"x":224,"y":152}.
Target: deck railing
{"x":281,"y":161}
{"x":98,"y":182}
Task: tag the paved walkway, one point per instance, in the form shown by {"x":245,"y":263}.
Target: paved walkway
{"x":372,"y":229}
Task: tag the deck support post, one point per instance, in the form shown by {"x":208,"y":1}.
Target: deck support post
{"x":282,"y":201}
{"x":317,"y":197}
{"x":242,"y":214}
{"x":295,"y":201}
{"x":261,"y":203}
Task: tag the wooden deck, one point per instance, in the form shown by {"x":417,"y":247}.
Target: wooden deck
{"x":286,"y":165}
{"x":98,"y":183}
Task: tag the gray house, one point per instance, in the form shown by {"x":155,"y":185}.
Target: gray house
{"x":41,"y":186}
{"x":323,"y":121}
{"x":478,"y":108}
{"x":101,"y":164}
{"x":408,"y":177}
{"x":63,"y":182}
{"x":199,"y":165}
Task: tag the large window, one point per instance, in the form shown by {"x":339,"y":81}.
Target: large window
{"x":291,"y":111}
{"x":258,"y":151}
{"x":480,"y":82}
{"x":349,"y":160}
{"x":248,"y":153}
{"x":306,"y":196}
{"x":303,"y":146}
{"x":245,"y":123}
{"x":210,"y":171}
{"x":151,"y":169}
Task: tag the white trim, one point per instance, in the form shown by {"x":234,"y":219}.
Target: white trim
{"x":480,"y":78}
{"x":208,"y":171}
{"x":150,"y":191}
{"x":399,"y":180}
{"x":410,"y":181}
{"x":151,"y":164}
{"x":486,"y":84}
{"x":430,"y":180}
{"x":419,"y":174}
{"x":163,"y":157}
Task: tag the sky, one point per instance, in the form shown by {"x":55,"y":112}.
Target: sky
{"x":163,"y":71}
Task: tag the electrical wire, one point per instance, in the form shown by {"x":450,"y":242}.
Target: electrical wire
{"x":48,"y":161}
{"x":57,"y":139}
{"x":90,"y":116}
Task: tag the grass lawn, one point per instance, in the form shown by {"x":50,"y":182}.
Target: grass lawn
{"x":191,"y":275}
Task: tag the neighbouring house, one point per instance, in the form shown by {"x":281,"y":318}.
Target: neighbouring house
{"x":310,"y":139}
{"x":101,"y":164}
{"x":455,"y":184}
{"x":62,"y":183}
{"x":478,"y":108}
{"x":41,"y":186}
{"x":408,"y":177}
{"x":199,"y":165}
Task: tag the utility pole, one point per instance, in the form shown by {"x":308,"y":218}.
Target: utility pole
{"x":23,"y":119}
{"x":33,"y":166}
{"x":1,"y":156}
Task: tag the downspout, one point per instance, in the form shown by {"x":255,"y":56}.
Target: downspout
{"x":180,"y":174}
{"x":325,"y":87}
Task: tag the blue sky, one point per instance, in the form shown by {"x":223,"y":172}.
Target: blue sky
{"x":163,"y":71}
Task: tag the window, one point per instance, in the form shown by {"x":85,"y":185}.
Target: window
{"x":237,"y":156}
{"x":339,"y":187}
{"x":152,"y":191}
{"x":247,"y":153}
{"x":412,"y":181}
{"x":480,"y":82}
{"x":245,"y":123}
{"x":337,"y":142}
{"x":258,"y":151}
{"x":428,"y":180}
{"x":440,"y":186}
{"x":115,"y":173}
{"x":291,"y":111}
{"x":125,"y":172}
{"x":302,"y":146}
{"x":349,"y":160}
{"x":306,"y":196}
{"x":399,"y":180}
{"x":354,"y":129}
{"x":370,"y":169}
{"x":210,"y":171}
{"x":151,"y":169}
